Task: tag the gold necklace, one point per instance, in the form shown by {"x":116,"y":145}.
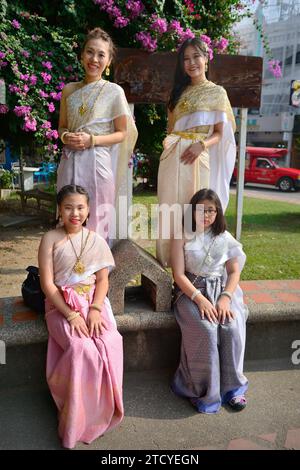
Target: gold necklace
{"x":83,"y":107}
{"x":79,"y":267}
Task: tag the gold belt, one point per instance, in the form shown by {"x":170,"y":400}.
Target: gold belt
{"x":194,"y":136}
{"x":83,"y":289}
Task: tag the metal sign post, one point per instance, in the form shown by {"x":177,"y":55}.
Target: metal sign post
{"x":241,"y":172}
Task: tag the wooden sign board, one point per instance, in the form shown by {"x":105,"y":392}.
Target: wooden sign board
{"x":148,"y":77}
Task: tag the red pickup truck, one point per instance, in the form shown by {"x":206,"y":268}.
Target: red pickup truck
{"x":261,"y":167}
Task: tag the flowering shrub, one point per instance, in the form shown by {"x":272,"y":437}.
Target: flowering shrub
{"x":6,"y":179}
{"x":33,"y":58}
{"x":160,"y":25}
{"x":140,"y":164}
{"x":38,"y":53}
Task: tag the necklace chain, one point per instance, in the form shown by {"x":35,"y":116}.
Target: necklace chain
{"x":83,"y":108}
{"x":208,"y":258}
{"x":79,"y":267}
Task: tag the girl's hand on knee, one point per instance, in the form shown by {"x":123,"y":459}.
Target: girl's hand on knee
{"x":79,"y":325}
{"x":223,"y":309}
{"x":207,"y":309}
{"x":95,"y":323}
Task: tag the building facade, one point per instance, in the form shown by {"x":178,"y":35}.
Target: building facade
{"x":273,"y":125}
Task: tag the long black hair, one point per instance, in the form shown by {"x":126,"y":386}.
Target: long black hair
{"x":181,"y":79}
{"x":219,"y":225}
{"x":68,"y":190}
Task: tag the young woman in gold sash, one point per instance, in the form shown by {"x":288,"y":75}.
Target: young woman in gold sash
{"x":199,"y":150}
{"x":98,"y":131}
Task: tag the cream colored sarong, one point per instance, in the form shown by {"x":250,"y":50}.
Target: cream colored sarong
{"x":177,"y":183}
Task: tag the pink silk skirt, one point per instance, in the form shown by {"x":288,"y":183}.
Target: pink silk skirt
{"x":84,"y":374}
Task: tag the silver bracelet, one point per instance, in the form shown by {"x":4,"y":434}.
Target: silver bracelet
{"x":195,"y":293}
{"x":227,"y":294}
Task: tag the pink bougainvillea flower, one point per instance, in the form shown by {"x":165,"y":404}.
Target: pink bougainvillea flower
{"x":55,"y":96}
{"x":29,"y":124}
{"x":121,"y":22}
{"x":60,"y":86}
{"x":22,"y":110}
{"x":46,"y":77}
{"x":206,"y":39}
{"x":159,"y":25}
{"x":32,"y":79}
{"x":43,"y":94}
{"x":25,"y":54}
{"x":275,"y":68}
{"x":135,"y":8}
{"x":15,"y":24}
{"x":147,"y":41}
{"x":51,"y":107}
{"x":46,"y":125}
{"x":47,"y":65}
{"x":4,"y":109}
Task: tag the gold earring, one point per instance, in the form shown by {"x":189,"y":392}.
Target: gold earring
{"x":107,"y":71}
{"x":206,"y":67}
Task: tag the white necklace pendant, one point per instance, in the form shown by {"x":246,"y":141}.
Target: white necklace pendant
{"x":209,"y":259}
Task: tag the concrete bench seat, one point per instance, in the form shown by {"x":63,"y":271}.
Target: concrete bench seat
{"x":39,"y":196}
{"x":152,"y":339}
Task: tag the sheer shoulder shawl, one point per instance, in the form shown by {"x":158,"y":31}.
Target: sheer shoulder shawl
{"x":96,"y":256}
{"x":207,"y":104}
{"x":109,"y":103}
{"x":207,"y":96}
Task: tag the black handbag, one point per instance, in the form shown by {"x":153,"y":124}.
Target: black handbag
{"x":32,"y":293}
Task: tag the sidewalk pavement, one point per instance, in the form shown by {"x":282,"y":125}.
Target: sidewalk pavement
{"x":155,"y":419}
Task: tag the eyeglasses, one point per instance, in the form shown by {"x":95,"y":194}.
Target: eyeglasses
{"x":209,"y":211}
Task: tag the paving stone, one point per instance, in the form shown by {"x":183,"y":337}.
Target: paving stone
{"x":244,"y":444}
{"x":293,"y":439}
{"x":269,"y":437}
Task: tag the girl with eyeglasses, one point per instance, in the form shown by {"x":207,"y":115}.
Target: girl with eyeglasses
{"x":209,"y":309}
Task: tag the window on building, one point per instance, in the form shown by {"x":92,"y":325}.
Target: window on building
{"x":298,"y":55}
{"x":289,"y":55}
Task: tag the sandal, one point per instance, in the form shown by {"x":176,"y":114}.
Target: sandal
{"x":238,"y":403}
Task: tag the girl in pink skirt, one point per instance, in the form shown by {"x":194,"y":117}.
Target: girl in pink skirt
{"x":85,"y":353}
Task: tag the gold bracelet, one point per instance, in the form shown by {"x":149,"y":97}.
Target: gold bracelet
{"x":93,"y":139}
{"x":72,"y":316}
{"x":203,"y":143}
{"x":96,"y":307}
{"x":61,"y":130}
{"x":62,"y":137}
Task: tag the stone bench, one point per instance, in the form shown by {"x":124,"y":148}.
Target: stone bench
{"x":132,"y":260}
{"x":152,"y":339}
{"x":39,"y":196}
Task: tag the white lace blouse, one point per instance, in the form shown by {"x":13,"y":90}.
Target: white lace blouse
{"x":206,"y":254}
